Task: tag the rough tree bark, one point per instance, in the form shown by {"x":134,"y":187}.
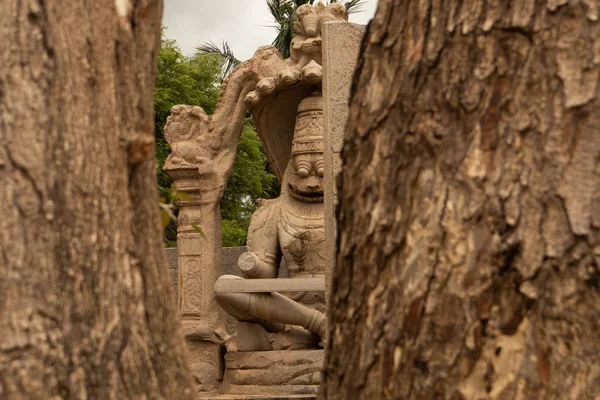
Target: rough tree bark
{"x":469,"y":214}
{"x":85,"y":306}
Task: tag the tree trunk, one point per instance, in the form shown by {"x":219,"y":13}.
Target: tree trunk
{"x":85,"y":305}
{"x":469,"y":217}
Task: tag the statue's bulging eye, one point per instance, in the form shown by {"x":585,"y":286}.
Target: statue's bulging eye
{"x":303,"y":172}
{"x":320,"y":171}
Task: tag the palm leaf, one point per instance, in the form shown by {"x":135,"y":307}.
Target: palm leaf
{"x":228,"y":60}
{"x":353,"y":6}
{"x":282,"y":12}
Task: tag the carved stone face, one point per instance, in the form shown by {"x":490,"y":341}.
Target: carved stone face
{"x":306,"y":177}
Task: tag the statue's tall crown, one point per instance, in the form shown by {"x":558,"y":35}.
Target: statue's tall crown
{"x":308,"y":133}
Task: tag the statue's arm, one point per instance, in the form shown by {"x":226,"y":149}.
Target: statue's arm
{"x":262,"y":258}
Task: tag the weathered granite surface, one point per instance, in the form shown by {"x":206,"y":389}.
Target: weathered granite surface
{"x":280,"y":372}
{"x":341,"y":45}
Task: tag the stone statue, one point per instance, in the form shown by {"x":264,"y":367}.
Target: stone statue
{"x":274,"y":314}
{"x":290,"y":226}
{"x":186,"y":129}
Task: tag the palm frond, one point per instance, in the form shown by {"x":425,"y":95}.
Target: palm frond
{"x":282,"y":12}
{"x":353,"y":6}
{"x":228,"y":60}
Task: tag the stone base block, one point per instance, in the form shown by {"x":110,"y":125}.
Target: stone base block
{"x":204,"y":355}
{"x":273,"y":374}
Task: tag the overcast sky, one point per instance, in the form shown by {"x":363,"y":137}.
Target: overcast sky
{"x":244,"y":24}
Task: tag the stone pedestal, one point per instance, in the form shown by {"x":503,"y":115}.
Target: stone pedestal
{"x":341,"y":46}
{"x":274,"y":374}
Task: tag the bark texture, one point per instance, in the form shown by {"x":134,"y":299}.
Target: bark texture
{"x":85,"y":306}
{"x":469,"y":216}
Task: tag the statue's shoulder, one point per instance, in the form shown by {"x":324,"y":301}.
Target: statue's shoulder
{"x":267,"y":206}
{"x":267,"y":213}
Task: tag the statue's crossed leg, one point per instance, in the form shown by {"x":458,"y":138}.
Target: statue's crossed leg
{"x":271,"y":310}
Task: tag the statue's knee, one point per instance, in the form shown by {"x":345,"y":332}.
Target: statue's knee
{"x":236,"y":304}
{"x":222,"y":284}
{"x":229,"y":299}
{"x":224,"y":278}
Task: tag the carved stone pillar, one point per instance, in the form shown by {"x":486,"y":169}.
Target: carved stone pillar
{"x":198,"y":216}
{"x":198,"y":246}
{"x":341,"y":45}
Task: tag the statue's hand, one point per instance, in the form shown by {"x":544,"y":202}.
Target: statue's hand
{"x":249,"y":264}
{"x":253,"y":267}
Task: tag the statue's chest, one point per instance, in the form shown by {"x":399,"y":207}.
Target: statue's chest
{"x":302,"y":243}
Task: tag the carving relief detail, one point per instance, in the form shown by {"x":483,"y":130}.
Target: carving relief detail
{"x":192,"y":290}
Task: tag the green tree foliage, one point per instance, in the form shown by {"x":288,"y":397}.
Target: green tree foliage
{"x":196,"y":80}
{"x":250,"y":180}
